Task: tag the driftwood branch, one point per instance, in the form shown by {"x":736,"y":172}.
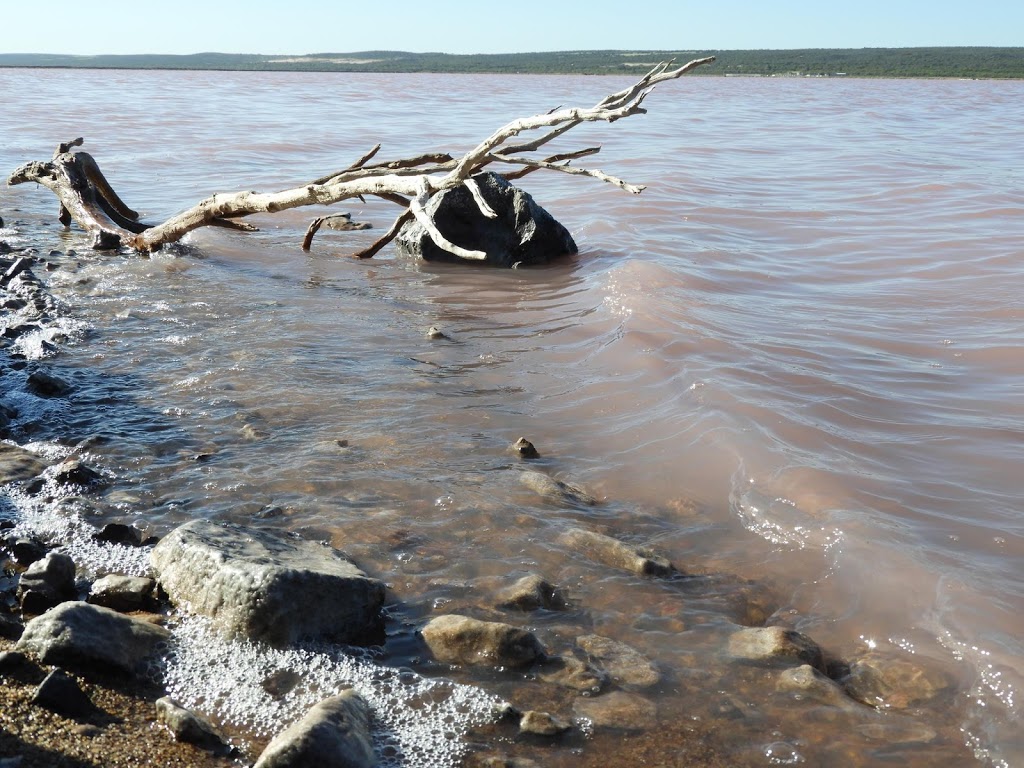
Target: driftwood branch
{"x":86,"y":197}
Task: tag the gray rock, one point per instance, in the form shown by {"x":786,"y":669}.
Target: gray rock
{"x":522,"y":233}
{"x":121,"y":593}
{"x":570,"y":672}
{"x":805,"y":681}
{"x":185,"y":725}
{"x":333,"y":734}
{"x":47,"y":582}
{"x":542,"y":724}
{"x":775,"y":645}
{"x":82,"y":634}
{"x":892,"y":683}
{"x":60,"y":693}
{"x":556,"y":490}
{"x":531,"y":593}
{"x":56,"y":571}
{"x":625,"y":665}
{"x":267,"y":587}
{"x":462,"y":640}
{"x":616,"y":554}
{"x":17,"y":464}
{"x":626,"y":711}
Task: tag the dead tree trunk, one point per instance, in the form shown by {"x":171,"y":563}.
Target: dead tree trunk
{"x":87,"y":198}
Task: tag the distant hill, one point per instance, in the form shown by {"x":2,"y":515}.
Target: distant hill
{"x":853,"y":62}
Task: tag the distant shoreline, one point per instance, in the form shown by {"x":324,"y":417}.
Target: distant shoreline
{"x":938,"y":62}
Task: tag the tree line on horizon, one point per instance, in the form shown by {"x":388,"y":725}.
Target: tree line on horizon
{"x":962,"y":62}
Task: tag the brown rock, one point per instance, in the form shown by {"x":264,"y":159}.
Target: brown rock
{"x":462,"y":640}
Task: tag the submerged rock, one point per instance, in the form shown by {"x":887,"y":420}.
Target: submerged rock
{"x":556,"y":490}
{"x":17,"y":464}
{"x":82,"y":634}
{"x":531,"y":593}
{"x":333,"y":734}
{"x":807,"y":682}
{"x":461,"y":640}
{"x":626,"y":711}
{"x":890,"y":683}
{"x":266,"y":587}
{"x":569,"y":672}
{"x":521,"y":233}
{"x":775,"y":645}
{"x":47,"y":385}
{"x":625,"y":665}
{"x":614,"y":553}
{"x":542,"y":724}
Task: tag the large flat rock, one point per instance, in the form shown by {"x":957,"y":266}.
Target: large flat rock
{"x":267,"y":587}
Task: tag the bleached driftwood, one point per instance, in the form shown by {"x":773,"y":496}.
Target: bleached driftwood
{"x":87,"y":198}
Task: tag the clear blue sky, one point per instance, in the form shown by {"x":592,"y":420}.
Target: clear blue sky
{"x":489,"y":26}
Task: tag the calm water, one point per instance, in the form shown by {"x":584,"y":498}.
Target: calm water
{"x":797,"y":358}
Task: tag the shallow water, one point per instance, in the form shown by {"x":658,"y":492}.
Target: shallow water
{"x":796,"y":358}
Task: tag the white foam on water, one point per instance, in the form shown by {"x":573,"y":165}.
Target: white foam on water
{"x":417,"y":722}
{"x":56,"y":517}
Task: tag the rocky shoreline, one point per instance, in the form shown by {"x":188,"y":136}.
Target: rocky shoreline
{"x":81,"y":643}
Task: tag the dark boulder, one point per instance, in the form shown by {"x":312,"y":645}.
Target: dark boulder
{"x":521,"y":233}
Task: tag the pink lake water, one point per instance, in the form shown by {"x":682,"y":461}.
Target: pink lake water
{"x":797,"y":358}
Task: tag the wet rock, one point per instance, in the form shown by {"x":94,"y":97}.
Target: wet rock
{"x":47,"y":582}
{"x":616,"y":554}
{"x":60,"y":693}
{"x":892,"y":683}
{"x":20,"y":264}
{"x":185,"y":725}
{"x":27,"y":550}
{"x":121,"y":593}
{"x":333,"y":734}
{"x":17,"y":464}
{"x":625,"y":711}
{"x":462,"y":640}
{"x":74,"y":471}
{"x":266,"y":587}
{"x":47,"y":385}
{"x":570,"y":672}
{"x":342,"y":222}
{"x":525,"y":449}
{"x":556,"y":490}
{"x":85,"y":635}
{"x":775,"y":645}
{"x":531,"y":593}
{"x":119,"y":533}
{"x":542,"y":724}
{"x":521,"y":233}
{"x":807,"y":682}
{"x":434,"y":332}
{"x":625,"y":665}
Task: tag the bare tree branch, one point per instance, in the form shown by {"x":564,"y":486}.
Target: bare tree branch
{"x":87,"y":198}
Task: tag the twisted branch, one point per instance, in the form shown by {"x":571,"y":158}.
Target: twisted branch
{"x":86,"y":197}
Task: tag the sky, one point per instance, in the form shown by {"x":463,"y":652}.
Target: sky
{"x":275,"y":27}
